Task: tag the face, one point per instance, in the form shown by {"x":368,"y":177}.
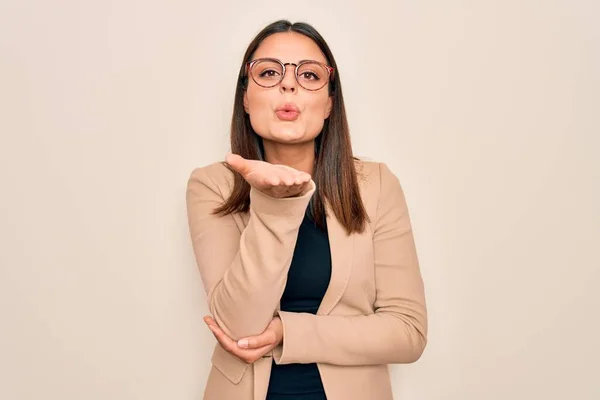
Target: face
{"x":262,"y":104}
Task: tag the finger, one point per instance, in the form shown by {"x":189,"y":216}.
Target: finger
{"x":215,"y":334}
{"x":280,"y":191}
{"x":210,"y":320}
{"x":238,"y":163}
{"x":273,"y":181}
{"x":289,"y":180}
{"x":294,"y":190}
{"x":295,"y":177}
{"x":302,"y":178}
{"x":247,"y":355}
{"x":226,"y":342}
{"x":250,"y":356}
{"x":256,"y":353}
{"x":267,"y":338}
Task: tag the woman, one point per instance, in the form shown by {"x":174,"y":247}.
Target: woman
{"x":306,"y":253}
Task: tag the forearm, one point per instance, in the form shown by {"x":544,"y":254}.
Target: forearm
{"x":244,"y":301}
{"x":395,"y":329}
{"x":380,"y":338}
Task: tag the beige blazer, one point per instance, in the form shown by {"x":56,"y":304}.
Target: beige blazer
{"x":373,"y":312}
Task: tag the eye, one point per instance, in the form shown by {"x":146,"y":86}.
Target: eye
{"x":311,"y":71}
{"x":309,"y":76}
{"x":268,"y":73}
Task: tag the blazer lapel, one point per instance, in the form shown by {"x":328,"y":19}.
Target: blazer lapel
{"x":342,"y":250}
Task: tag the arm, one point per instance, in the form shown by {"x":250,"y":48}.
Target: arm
{"x":396,"y":331}
{"x":243,"y":273}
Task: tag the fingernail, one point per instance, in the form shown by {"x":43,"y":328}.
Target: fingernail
{"x":243,"y":343}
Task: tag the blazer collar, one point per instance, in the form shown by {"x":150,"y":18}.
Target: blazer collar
{"x":342,"y":249}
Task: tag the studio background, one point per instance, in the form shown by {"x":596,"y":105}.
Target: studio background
{"x":487,"y":111}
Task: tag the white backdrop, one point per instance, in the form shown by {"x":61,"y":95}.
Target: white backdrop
{"x":486,"y":110}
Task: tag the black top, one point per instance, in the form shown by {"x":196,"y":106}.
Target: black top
{"x":307,"y":281}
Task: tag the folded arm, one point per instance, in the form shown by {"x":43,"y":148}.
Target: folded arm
{"x":243,"y":270}
{"x":396,"y":332}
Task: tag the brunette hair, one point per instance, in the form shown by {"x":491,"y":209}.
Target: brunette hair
{"x":334,"y":173}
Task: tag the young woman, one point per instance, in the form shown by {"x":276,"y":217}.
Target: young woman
{"x":306,"y":253}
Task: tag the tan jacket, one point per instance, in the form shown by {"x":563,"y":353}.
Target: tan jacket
{"x":373,"y":312}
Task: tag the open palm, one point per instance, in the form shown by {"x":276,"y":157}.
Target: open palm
{"x":271,"y":179}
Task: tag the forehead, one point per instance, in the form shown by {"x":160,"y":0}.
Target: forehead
{"x":289,"y":47}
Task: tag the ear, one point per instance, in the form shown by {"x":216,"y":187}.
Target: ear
{"x":246,"y":101}
{"x":328,"y":107}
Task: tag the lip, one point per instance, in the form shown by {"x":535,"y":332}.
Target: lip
{"x":287,"y":112}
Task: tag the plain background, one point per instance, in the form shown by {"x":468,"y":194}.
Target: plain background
{"x":488,"y":111}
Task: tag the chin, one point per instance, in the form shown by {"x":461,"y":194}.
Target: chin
{"x":289,"y":135}
{"x":290,"y":138}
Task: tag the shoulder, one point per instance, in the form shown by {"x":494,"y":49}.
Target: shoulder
{"x":216,"y":177}
{"x":373,"y":176}
{"x":378,"y":185}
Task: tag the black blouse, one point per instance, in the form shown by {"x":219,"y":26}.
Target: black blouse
{"x":307,"y":281}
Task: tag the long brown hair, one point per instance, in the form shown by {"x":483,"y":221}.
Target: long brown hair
{"x":334,"y":173}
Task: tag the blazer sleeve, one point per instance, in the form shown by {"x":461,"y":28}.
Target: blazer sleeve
{"x":244,"y":271}
{"x":396,"y":332}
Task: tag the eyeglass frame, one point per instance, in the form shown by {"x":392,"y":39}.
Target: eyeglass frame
{"x":250,"y":64}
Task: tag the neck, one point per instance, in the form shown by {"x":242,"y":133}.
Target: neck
{"x":300,"y":156}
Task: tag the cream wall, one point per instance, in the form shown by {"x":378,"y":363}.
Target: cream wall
{"x":488,"y":111}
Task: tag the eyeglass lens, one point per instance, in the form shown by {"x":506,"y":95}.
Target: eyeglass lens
{"x":310,"y":75}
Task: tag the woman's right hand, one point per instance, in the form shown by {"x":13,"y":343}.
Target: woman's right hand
{"x":273,"y":180}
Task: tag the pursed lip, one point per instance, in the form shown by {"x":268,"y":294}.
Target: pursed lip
{"x":288,"y":107}
{"x":287,"y":112}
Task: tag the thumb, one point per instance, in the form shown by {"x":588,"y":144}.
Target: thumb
{"x":255,"y":342}
{"x":238,"y":163}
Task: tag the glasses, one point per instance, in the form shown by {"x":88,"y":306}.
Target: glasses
{"x":269,"y":72}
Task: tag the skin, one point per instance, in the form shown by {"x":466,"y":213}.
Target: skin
{"x":289,"y":154}
{"x":288,"y":142}
{"x":252,"y":348}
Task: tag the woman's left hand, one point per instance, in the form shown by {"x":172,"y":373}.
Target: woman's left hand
{"x":251,"y":348}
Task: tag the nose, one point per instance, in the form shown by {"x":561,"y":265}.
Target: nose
{"x":289,"y":83}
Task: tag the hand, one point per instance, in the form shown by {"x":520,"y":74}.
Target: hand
{"x":273,"y":180}
{"x":251,"y":348}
